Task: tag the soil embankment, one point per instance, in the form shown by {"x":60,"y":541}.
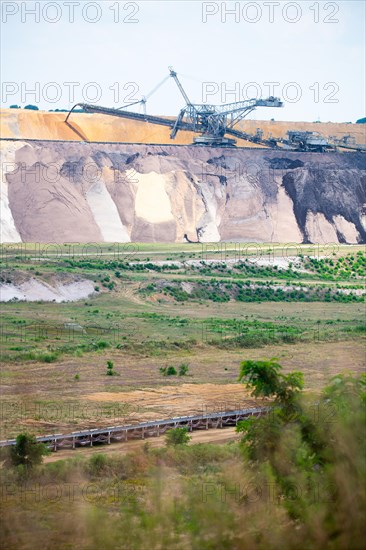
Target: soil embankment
{"x":91,"y":192}
{"x":27,"y":124}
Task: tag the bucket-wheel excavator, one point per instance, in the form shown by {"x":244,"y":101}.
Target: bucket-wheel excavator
{"x":215,"y":123}
{"x":212,"y":122}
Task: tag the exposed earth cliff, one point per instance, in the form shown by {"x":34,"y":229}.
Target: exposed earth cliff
{"x":83,"y":192}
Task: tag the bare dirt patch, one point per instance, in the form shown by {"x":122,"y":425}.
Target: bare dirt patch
{"x":182,"y":400}
{"x":45,"y":398}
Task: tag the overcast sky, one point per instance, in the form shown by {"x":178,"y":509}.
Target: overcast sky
{"x":315,"y":51}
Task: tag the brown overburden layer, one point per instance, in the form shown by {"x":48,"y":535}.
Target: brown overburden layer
{"x":27,"y":124}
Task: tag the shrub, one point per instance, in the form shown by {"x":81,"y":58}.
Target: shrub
{"x":48,"y":357}
{"x":110,"y":371}
{"x":168,"y":371}
{"x":97,"y":463}
{"x":102,"y":344}
{"x":183,"y":369}
{"x":177,"y":436}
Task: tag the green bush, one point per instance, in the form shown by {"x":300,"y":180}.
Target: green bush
{"x":102,"y":344}
{"x":168,"y":371}
{"x":97,"y":464}
{"x":110,"y":366}
{"x":183,"y":369}
{"x":27,"y":451}
{"x":177,"y":436}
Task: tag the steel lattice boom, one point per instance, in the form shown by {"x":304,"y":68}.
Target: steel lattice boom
{"x":215,"y":122}
{"x":211,"y":121}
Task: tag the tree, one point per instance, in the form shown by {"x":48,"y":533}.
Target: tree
{"x":31,"y":107}
{"x":289,"y":387}
{"x":265,"y":380}
{"x":177,"y":436}
{"x":27,"y":451}
{"x":260,"y":376}
{"x":110,"y":371}
{"x":305,"y":453}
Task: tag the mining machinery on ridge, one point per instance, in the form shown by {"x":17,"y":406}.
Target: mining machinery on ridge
{"x":214,"y":123}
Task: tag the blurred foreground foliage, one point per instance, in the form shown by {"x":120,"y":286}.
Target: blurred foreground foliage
{"x":295,"y":481}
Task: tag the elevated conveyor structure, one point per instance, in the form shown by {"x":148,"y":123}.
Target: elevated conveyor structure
{"x":142,"y":430}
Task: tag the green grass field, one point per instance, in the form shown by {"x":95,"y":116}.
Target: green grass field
{"x":158,"y":309}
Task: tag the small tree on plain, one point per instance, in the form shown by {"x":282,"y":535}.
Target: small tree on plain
{"x":265,"y":379}
{"x":28,"y":451}
{"x":183,"y":369}
{"x":110,"y":371}
{"x":168,"y":371}
{"x":177,"y":436}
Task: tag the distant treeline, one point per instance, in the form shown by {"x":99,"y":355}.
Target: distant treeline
{"x":35,"y":108}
